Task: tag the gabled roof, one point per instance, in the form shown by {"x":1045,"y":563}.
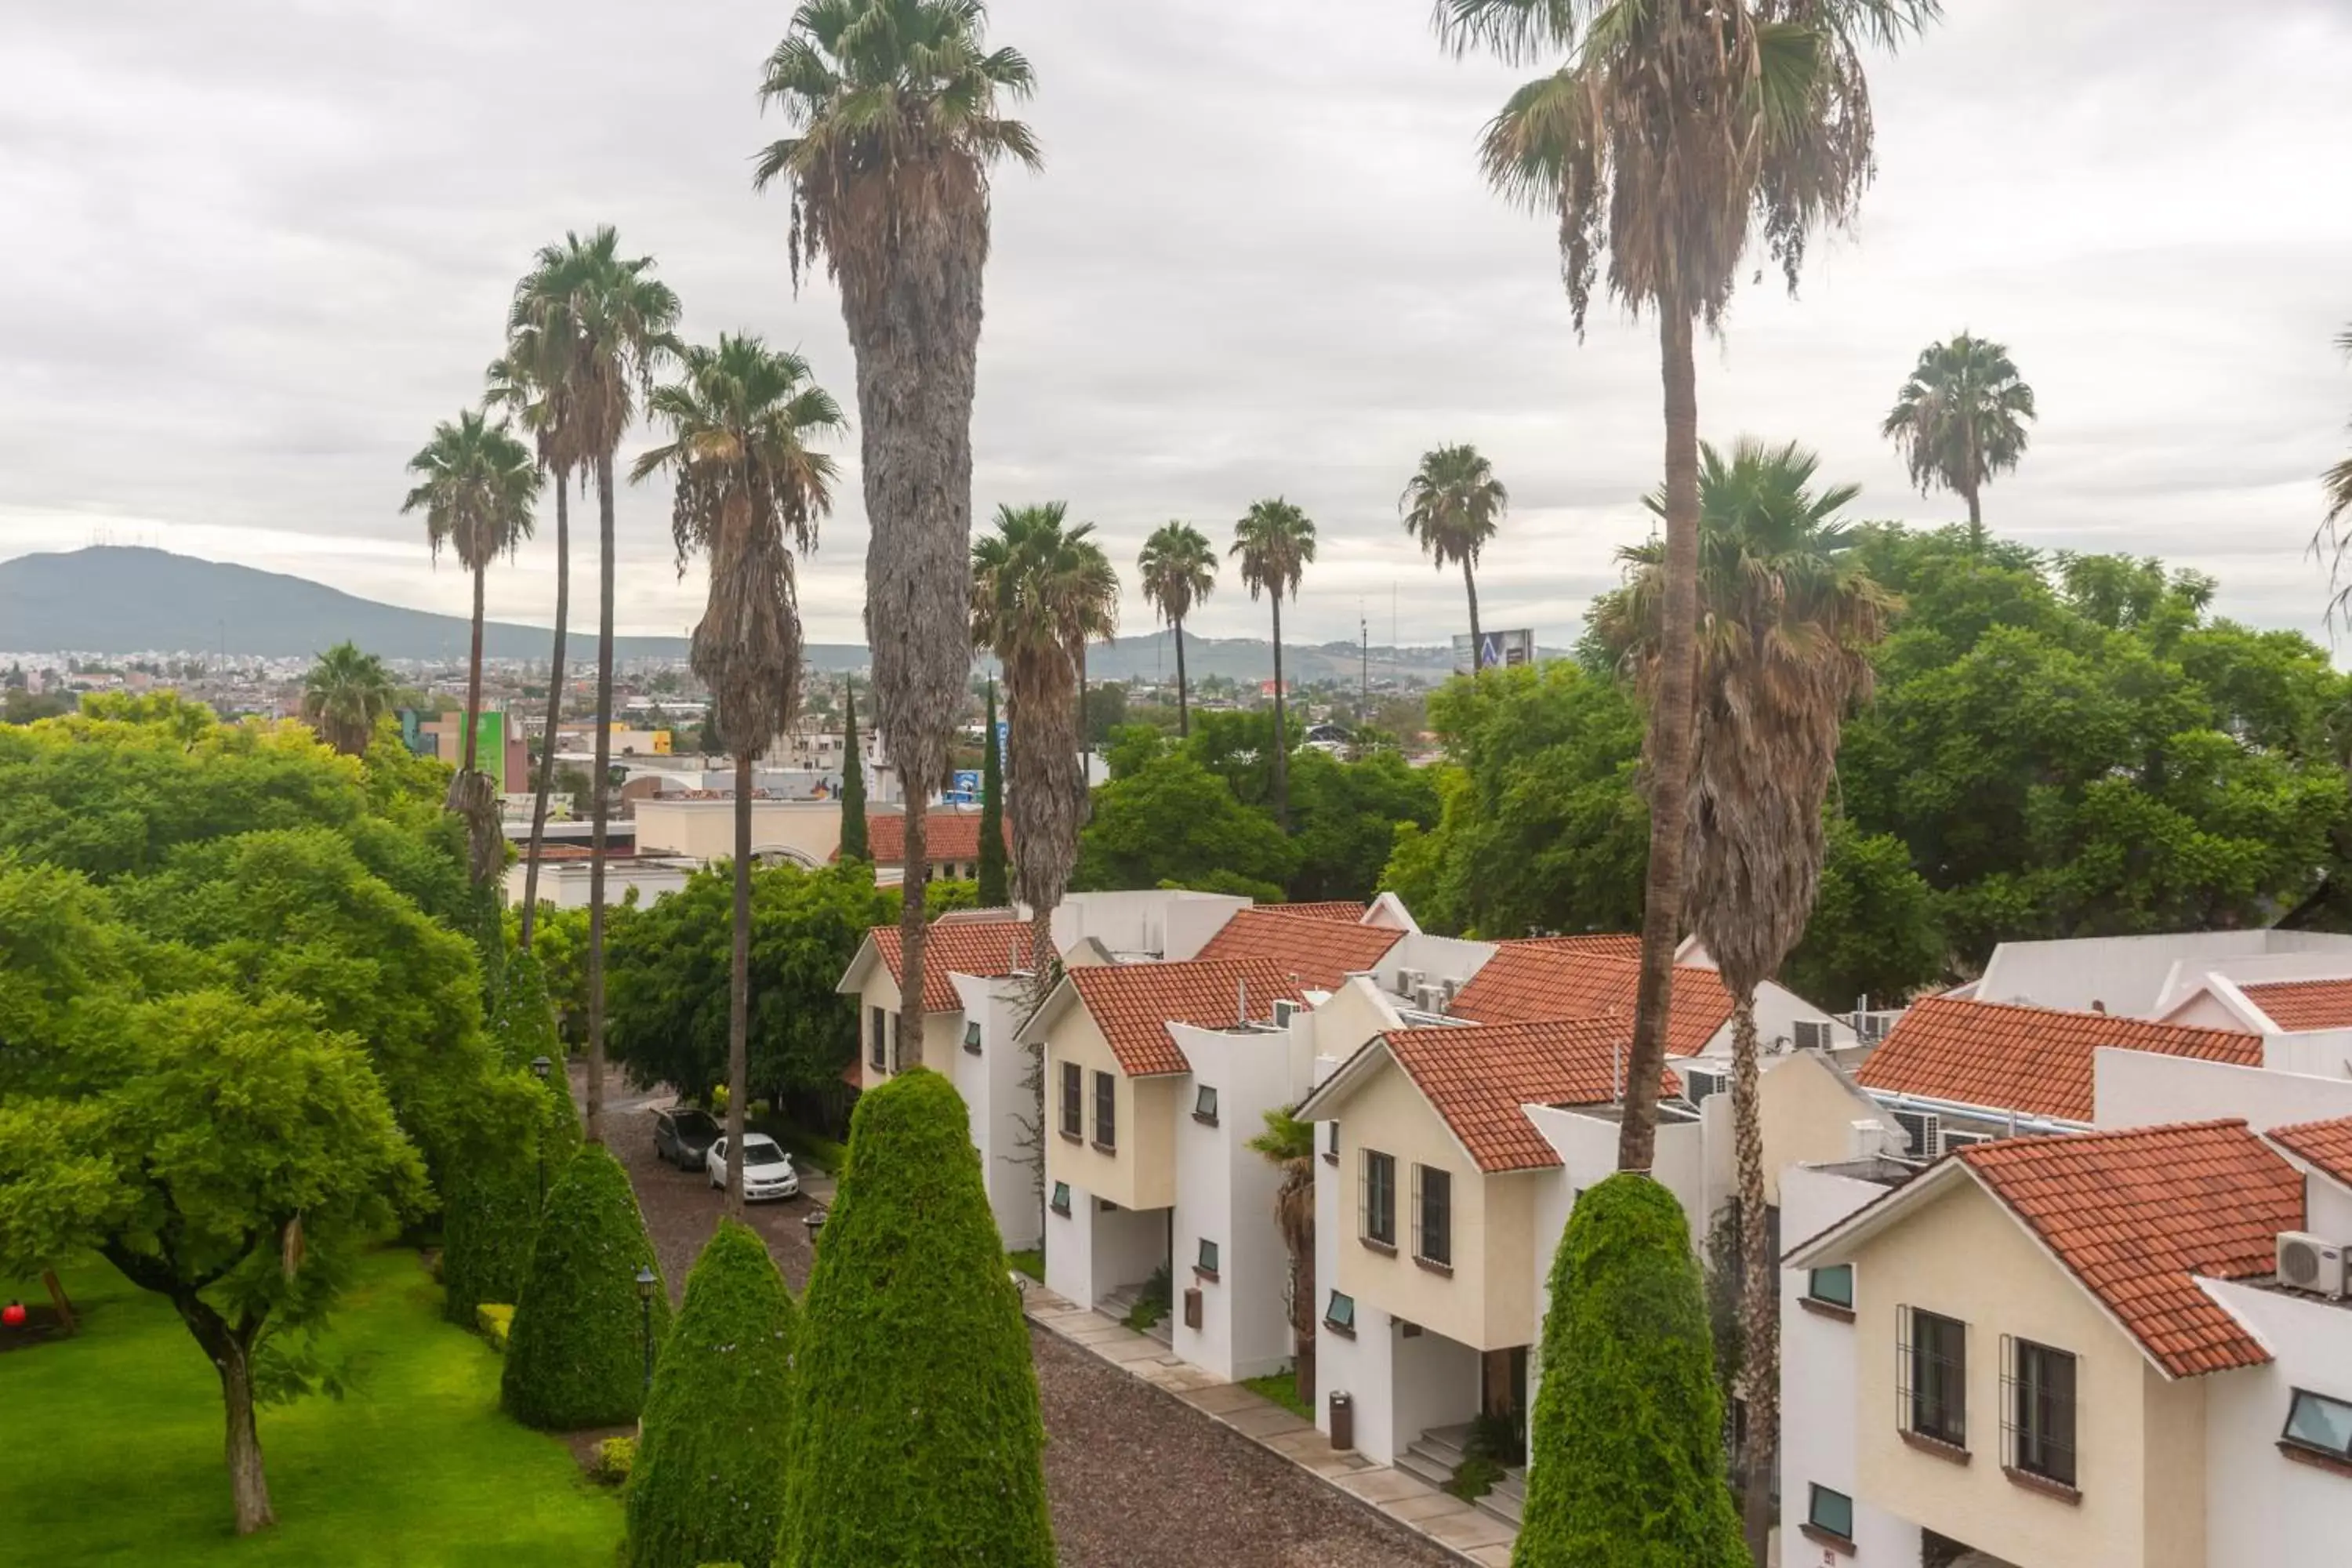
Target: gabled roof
{"x":1321,"y":953}
{"x":2326,"y":1144}
{"x":1574,"y":977}
{"x":1480,"y":1079}
{"x":2136,"y":1215}
{"x":1600,"y":944}
{"x":947,"y":835}
{"x":1133,"y":1003}
{"x":2037,"y":1060}
{"x":989,"y":948}
{"x":1331,"y":910}
{"x":2298,"y":1004}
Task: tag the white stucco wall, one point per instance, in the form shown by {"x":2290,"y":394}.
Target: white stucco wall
{"x":2142,"y":1088}
{"x":1224,"y":1193}
{"x":2132,"y":976}
{"x":2260,"y":1506}
{"x":1093,"y":1251}
{"x":1144,"y":920}
{"x":991,"y":1088}
{"x":2323,"y":1053}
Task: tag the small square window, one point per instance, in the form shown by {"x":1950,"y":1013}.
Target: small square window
{"x":1339,"y":1314}
{"x":1832,"y":1287}
{"x":1062,"y":1197}
{"x":1205,"y":1105}
{"x":2320,"y":1424}
{"x":1831,"y":1511}
{"x":971,"y":1036}
{"x":1331,"y":1141}
{"x":1207,"y":1262}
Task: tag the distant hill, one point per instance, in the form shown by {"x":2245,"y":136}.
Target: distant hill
{"x":113,"y":599}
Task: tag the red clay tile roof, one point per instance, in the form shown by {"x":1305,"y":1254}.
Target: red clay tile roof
{"x":1334,"y":910}
{"x":2305,"y":1004}
{"x":1321,"y":953}
{"x":947,"y":835}
{"x":982,"y":947}
{"x":1543,"y":978}
{"x":2037,"y":1060}
{"x":1603,"y":944}
{"x":1133,"y":1003}
{"x":2134,"y":1214}
{"x":2326,"y":1144}
{"x":1480,"y":1078}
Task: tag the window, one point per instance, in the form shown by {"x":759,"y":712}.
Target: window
{"x":876,"y":1053}
{"x":1206,"y":1262}
{"x":1339,"y":1314}
{"x":1377,"y":1199}
{"x":2038,"y":1410}
{"x":971,"y":1036}
{"x":1205,"y":1105}
{"x":896,"y":1061}
{"x":1933,"y":1365}
{"x":1074,"y":1101}
{"x":1061,"y":1199}
{"x":1331,"y":1141}
{"x":1433,"y":1209}
{"x":1831,"y":1512}
{"x":1831,"y":1287}
{"x":1105,"y":1111}
{"x":2319,"y":1424}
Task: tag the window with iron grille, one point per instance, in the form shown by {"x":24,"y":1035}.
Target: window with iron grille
{"x":1105,"y":1111}
{"x":875,"y":1052}
{"x":896,"y":1046}
{"x":2319,"y":1424}
{"x":2037,"y":1410}
{"x":1074,"y":1101}
{"x":1932,"y":1374}
{"x":1433,"y":1208}
{"x":1376,"y":1198}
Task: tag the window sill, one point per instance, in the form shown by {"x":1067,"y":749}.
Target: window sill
{"x":972,"y":1050}
{"x":1829,"y":1309}
{"x":1385,"y":1248}
{"x":1102,"y":1148}
{"x":1829,"y":1538}
{"x":1950,"y":1453}
{"x":1074,"y":1137}
{"x":1434,"y":1266}
{"x":1207,"y":1274}
{"x":1063,"y":1212}
{"x":2043,"y":1485}
{"x":1204,"y":1120}
{"x":1329,"y":1158}
{"x":1343,"y":1333}
{"x":2314,"y":1459}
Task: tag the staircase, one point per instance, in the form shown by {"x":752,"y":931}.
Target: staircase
{"x":1121,"y":1301}
{"x":1436,"y":1455}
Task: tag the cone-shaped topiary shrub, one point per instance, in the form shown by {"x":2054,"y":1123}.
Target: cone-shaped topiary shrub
{"x":1625,"y":1454}
{"x":916,"y":1437}
{"x":710,"y":1479}
{"x":490,"y":1207}
{"x":524,"y":1023}
{"x":576,"y":1354}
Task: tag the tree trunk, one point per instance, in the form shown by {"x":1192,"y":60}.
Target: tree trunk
{"x":1183,"y":703}
{"x":1759,"y":1295}
{"x":1669,"y":746}
{"x":1303,"y":1296}
{"x":230,"y":1349}
{"x":1085,"y":734}
{"x":474,"y":676}
{"x":58,"y":1299}
{"x":555,"y":705}
{"x":1975,"y":523}
{"x":1281,"y":752}
{"x":739,"y":991}
{"x":911,"y":927}
{"x":1470,"y":585}
{"x":597,"y":813}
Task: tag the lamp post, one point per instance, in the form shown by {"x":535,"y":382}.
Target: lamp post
{"x":645,"y":1283}
{"x":539,"y":1068}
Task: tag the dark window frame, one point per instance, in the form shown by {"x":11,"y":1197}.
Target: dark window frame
{"x":1207,"y":1256}
{"x":1334,"y":1319}
{"x":1331,"y":1148}
{"x":2040,"y":1411}
{"x":877,"y":1048}
{"x":1433,"y":1216}
{"x":2287,"y":1437}
{"x":1932,"y":1365}
{"x":1204,"y":1104}
{"x":1813,"y":1291}
{"x":971,"y":1036}
{"x":1106,"y":1112}
{"x":1830,"y":1526}
{"x":1074,"y":1101}
{"x":1060,"y":1200}
{"x":1375,"y":1199}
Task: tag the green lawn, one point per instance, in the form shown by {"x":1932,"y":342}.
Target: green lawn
{"x":114,"y":1446}
{"x":1282,"y":1387}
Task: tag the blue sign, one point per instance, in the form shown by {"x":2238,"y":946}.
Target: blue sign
{"x":1003,"y":739}
{"x":966,"y":781}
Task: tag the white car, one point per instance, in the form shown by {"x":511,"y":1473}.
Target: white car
{"x":767,"y":1169}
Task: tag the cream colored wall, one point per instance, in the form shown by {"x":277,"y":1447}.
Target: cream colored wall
{"x":2205,"y":1011}
{"x":1964,"y":1255}
{"x":1807,"y":1117}
{"x":704,"y":829}
{"x":1345,"y":1019}
{"x":1141,"y":1173}
{"x":882,"y":992}
{"x":2174,"y":1418}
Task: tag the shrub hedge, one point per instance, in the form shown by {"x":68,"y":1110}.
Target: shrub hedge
{"x":710,"y":1480}
{"x":490,"y":1211}
{"x":917,"y":1435}
{"x":1626,"y":1449}
{"x":575,"y":1356}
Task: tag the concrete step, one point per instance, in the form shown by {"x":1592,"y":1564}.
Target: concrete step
{"x":1437,"y":1454}
{"x":1422,"y":1467}
{"x":1505,"y":1505}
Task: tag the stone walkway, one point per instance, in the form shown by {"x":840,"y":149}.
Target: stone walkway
{"x":1471,"y":1534}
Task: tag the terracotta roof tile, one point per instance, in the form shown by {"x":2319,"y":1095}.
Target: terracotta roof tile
{"x":2326,"y":1144}
{"x":1480,"y":1079}
{"x":947,"y":835}
{"x":2036,"y":1061}
{"x":2295,"y":1005}
{"x":1547,"y":977}
{"x":1602,"y":945}
{"x":1334,"y":910}
{"x":1133,"y":1003}
{"x":981,"y":947}
{"x":2136,"y":1215}
{"x":1321,"y":953}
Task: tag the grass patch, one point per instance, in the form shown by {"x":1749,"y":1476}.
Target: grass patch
{"x":1030,"y":1261}
{"x":119,"y":1460}
{"x":1152,"y":1306}
{"x":1281,"y":1388}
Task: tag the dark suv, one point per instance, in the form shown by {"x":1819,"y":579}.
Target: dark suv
{"x":684,"y":1136}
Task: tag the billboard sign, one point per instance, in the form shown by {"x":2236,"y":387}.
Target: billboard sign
{"x":1495,"y":650}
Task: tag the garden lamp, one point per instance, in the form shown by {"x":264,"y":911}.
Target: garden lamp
{"x":539,"y":1068}
{"x":645,"y":1283}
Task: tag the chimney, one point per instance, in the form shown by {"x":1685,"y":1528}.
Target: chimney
{"x":1240,"y":1002}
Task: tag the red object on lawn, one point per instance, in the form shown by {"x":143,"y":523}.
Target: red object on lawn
{"x":13,"y":1314}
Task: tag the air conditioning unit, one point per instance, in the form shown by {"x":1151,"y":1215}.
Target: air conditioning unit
{"x":1948,"y":1139}
{"x":1924,"y":1130}
{"x":1810,"y":1033}
{"x":2312,"y":1263}
{"x":1410,"y":982}
{"x":1429,"y":998}
{"x":1700,"y":1083}
{"x":1284,"y":1012}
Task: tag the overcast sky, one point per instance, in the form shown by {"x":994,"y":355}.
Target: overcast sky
{"x":256,"y":247}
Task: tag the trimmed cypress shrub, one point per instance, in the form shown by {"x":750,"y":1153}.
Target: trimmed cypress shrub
{"x":916,"y":1437}
{"x":490,"y":1211}
{"x":524,"y":1024}
{"x":710,"y":1479}
{"x":576,"y":1354}
{"x":1626,"y":1466}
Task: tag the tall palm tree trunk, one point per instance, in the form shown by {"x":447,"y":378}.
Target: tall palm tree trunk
{"x":738,"y":991}
{"x":917,"y":868}
{"x":1470,"y":585}
{"x":1669,"y":745}
{"x":1183,"y":703}
{"x":474,"y":675}
{"x":1975,"y":523}
{"x":555,"y":706}
{"x":1759,"y":1296}
{"x":597,"y":813}
{"x":1086,"y":730}
{"x":1281,"y":751}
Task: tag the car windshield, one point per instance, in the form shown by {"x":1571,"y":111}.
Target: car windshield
{"x":762,"y":1152}
{"x":695,"y":1122}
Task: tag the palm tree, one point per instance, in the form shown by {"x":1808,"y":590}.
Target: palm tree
{"x":1276,"y":541}
{"x":343,"y":695}
{"x":748,"y":492}
{"x":1179,"y":567}
{"x":476,"y":486}
{"x":894,"y":108}
{"x":1672,"y":132}
{"x":608,"y":322}
{"x":1786,"y":617}
{"x":1960,"y":419}
{"x":2330,"y":539}
{"x":1041,"y":590}
{"x":1451,"y":507}
{"x":1290,"y":1145}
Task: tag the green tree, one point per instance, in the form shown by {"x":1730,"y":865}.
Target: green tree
{"x":918,"y":1439}
{"x":576,"y":1352}
{"x":1451,"y":507}
{"x":2329,"y":538}
{"x":1276,"y":543}
{"x":854,"y":845}
{"x":1671,"y":134}
{"x":995,"y":888}
{"x":895,"y":112}
{"x":1178,"y":571}
{"x":1874,"y":932}
{"x":1174,"y":821}
{"x":491,"y":1199}
{"x":1345,"y":819}
{"x":1288,"y":1144}
{"x":709,"y":1481}
{"x":1625,"y":1451}
{"x":1960,"y":419}
{"x":344,"y":694}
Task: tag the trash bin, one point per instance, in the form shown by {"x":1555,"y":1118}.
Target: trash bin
{"x":1343,"y":1421}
